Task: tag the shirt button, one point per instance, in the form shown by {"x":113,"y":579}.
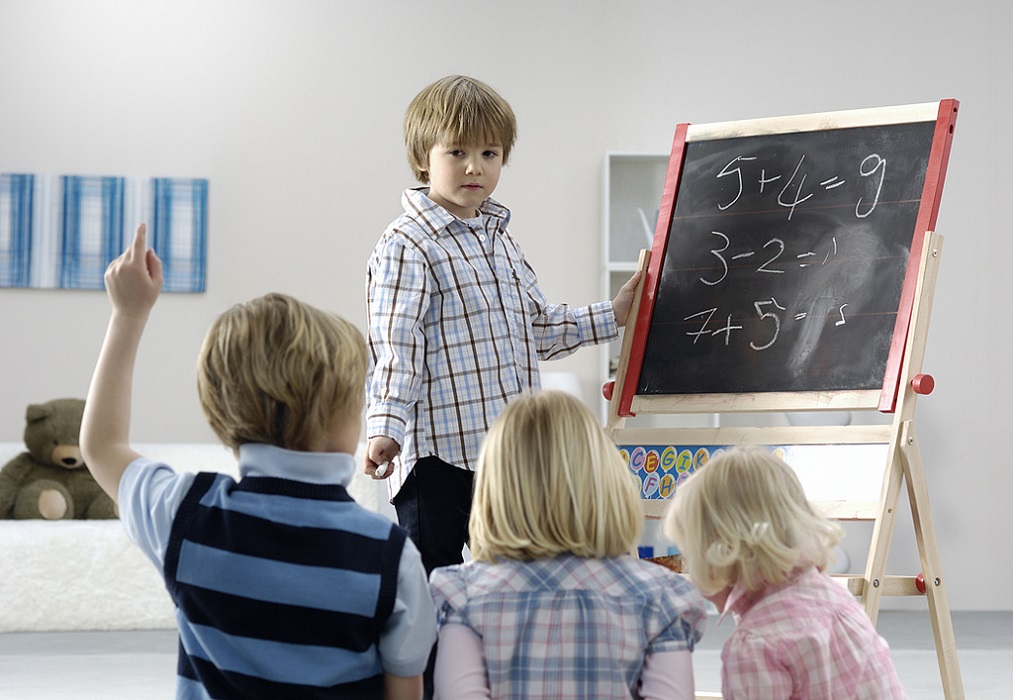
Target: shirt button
{"x":481,"y":237}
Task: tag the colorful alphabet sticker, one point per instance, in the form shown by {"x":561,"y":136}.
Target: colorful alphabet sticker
{"x":659,"y":469}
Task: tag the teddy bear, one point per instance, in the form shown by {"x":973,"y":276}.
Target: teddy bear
{"x":50,"y":481}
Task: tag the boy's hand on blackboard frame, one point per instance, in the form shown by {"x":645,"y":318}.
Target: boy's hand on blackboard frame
{"x":624,"y":299}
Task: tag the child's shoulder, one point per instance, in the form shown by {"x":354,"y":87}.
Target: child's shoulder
{"x":650,"y":576}
{"x":450,"y":584}
{"x":404,"y":228}
{"x":419,"y":215}
{"x":408,"y":233}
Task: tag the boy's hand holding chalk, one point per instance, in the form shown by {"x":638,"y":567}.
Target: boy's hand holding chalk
{"x":380,"y":451}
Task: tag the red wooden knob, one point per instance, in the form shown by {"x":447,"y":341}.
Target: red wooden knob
{"x":923,"y":384}
{"x":607,"y":388}
{"x":920,"y":582}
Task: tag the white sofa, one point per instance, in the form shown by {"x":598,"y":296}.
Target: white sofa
{"x":86,"y":575}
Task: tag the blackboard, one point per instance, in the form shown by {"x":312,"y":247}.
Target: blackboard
{"x":782,"y":261}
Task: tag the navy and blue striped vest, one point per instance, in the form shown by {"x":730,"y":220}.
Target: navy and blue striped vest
{"x":282,"y":589}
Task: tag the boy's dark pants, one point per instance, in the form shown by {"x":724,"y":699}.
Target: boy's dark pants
{"x":433,"y":505}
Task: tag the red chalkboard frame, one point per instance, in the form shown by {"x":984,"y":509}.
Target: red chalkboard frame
{"x":944,"y":114}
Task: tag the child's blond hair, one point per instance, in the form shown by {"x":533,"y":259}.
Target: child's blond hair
{"x":745,"y":518}
{"x":456,"y":109}
{"x":550,"y":481}
{"x":278,"y":371}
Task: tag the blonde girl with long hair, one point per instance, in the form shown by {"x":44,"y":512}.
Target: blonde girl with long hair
{"x":552,"y":604}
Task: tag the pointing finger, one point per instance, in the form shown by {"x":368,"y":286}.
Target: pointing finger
{"x":140,"y":239}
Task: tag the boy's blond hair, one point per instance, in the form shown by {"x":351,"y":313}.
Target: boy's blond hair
{"x":745,"y":518}
{"x":456,"y":109}
{"x":278,"y":371}
{"x":550,"y":481}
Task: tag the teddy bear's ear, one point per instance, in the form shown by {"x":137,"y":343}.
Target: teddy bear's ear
{"x":37,"y":412}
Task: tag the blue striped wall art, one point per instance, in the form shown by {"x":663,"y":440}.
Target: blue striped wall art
{"x":62,"y":231}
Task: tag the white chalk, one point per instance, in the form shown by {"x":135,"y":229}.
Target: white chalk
{"x":382,"y":469}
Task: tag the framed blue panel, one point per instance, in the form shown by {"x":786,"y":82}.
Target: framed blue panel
{"x":17,"y":194}
{"x":63,"y":231}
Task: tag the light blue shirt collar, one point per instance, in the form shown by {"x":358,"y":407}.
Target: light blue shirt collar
{"x":257,"y":459}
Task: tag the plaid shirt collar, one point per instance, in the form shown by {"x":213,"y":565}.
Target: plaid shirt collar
{"x":434,"y":218}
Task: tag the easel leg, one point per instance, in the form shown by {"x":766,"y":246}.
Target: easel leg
{"x":928,"y":551}
{"x":882,"y":533}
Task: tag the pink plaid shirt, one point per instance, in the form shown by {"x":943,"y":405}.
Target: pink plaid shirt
{"x":807,"y":640}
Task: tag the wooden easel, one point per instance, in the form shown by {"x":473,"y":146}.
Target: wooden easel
{"x":903,"y":462}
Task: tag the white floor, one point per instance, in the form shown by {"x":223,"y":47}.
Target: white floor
{"x":141,"y":665}
{"x":984,"y":648}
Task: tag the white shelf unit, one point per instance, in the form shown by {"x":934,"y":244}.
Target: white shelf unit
{"x":632,"y":188}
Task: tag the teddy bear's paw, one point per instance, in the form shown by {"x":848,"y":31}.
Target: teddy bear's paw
{"x":53,"y":505}
{"x":44,"y":499}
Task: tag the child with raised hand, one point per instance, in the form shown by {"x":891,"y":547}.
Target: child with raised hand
{"x":284,"y":587}
{"x":552,"y":604}
{"x":457,"y":321}
{"x":754,"y":545}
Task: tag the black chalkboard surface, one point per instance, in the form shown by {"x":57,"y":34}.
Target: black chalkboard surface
{"x":783,"y":260}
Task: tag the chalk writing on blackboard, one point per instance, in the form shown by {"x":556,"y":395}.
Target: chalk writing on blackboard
{"x":785,"y":261}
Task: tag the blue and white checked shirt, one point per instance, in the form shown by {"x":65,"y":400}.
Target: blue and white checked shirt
{"x":457,"y":326}
{"x":569,"y":628}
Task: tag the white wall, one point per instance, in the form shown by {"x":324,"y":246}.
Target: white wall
{"x":293,"y":111}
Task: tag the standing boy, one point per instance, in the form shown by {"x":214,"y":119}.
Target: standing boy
{"x":457,"y":321}
{"x":283,"y":585}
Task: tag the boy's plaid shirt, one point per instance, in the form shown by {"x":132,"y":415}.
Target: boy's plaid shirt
{"x":457,"y":326}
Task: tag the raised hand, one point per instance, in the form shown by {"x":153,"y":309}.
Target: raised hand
{"x":134,"y":279}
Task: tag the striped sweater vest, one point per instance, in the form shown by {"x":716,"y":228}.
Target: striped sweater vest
{"x":282,"y":589}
